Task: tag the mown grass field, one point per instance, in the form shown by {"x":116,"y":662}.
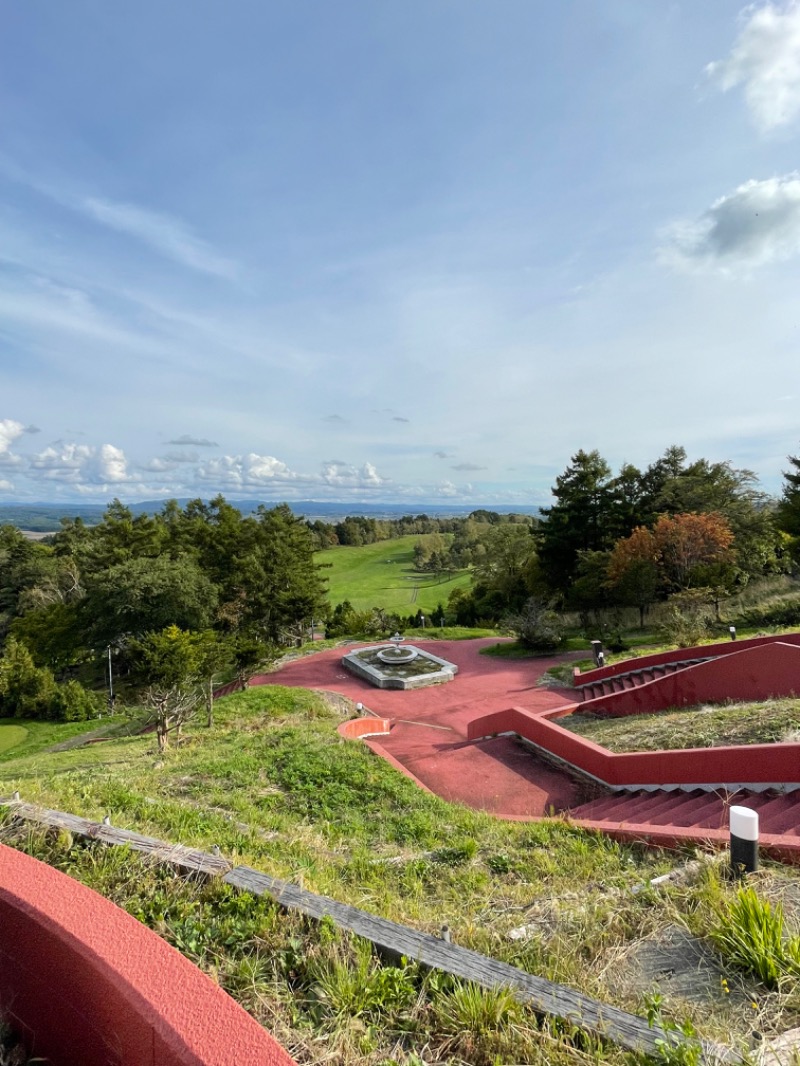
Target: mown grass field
{"x":274,"y":786}
{"x":11,"y":735}
{"x":383,"y":575}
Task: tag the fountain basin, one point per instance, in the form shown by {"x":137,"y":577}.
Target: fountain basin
{"x":387,"y":666}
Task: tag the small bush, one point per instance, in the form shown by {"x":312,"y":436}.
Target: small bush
{"x":73,"y":703}
{"x":537,"y":626}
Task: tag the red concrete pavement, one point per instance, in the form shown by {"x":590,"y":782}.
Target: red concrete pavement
{"x":429,"y":725}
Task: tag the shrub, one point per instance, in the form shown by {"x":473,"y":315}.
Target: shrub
{"x":537,"y":626}
{"x":26,"y":690}
{"x":688,"y":617}
{"x":73,"y":703}
{"x":784,"y":613}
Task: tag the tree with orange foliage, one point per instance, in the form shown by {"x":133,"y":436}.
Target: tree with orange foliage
{"x":633,"y":572}
{"x":692,"y":546}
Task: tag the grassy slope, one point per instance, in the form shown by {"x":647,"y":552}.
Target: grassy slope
{"x":692,"y":727}
{"x":11,"y":736}
{"x":274,"y":786}
{"x":382,"y":575}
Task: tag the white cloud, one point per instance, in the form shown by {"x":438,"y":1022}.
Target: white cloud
{"x":248,"y":471}
{"x":766,"y":60}
{"x":756,"y":224}
{"x":6,"y":486}
{"x":82,"y":465}
{"x":169,"y":236}
{"x":343,"y":475}
{"x":9,"y":432}
{"x":111,"y":464}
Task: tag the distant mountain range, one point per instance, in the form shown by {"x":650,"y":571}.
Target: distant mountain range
{"x":46,"y":517}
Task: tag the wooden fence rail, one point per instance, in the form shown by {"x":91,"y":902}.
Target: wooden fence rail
{"x":545,"y":997}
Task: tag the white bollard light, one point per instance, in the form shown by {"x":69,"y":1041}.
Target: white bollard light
{"x":744,"y":840}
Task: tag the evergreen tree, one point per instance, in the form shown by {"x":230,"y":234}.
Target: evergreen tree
{"x":583,"y":518}
{"x":788,"y":513}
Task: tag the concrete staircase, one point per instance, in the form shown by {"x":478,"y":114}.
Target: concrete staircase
{"x":633,"y":678}
{"x":673,"y":818}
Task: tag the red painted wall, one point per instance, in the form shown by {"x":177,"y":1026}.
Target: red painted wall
{"x":86,"y":983}
{"x":727,"y":647}
{"x":754,"y":763}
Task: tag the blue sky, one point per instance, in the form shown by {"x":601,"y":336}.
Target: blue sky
{"x":420,"y":250}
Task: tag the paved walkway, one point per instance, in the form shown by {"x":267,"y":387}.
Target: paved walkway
{"x":429,"y":726}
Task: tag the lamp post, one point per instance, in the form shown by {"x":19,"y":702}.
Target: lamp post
{"x":422,"y":619}
{"x":110,"y":683}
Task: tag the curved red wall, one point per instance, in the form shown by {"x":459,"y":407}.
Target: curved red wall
{"x":356,"y":728}
{"x":84,"y":982}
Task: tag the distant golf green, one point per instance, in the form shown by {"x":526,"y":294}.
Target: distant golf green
{"x":383,"y":575}
{"x":10,"y":736}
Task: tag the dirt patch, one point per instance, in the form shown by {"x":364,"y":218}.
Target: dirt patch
{"x":674,"y":962}
{"x":334,"y":701}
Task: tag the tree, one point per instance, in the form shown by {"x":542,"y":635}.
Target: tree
{"x":633,"y":573}
{"x":143,"y":595}
{"x":26,"y":690}
{"x":167,"y":664}
{"x":213,"y":653}
{"x":788,"y":513}
{"x":581,"y":519}
{"x":685,"y":543}
{"x":279,"y":582}
{"x":507,"y":566}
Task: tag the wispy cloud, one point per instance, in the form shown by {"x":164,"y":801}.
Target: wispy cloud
{"x":765,"y":59}
{"x":166,"y":234}
{"x":756,"y":224}
{"x":468,"y":466}
{"x":195,"y":442}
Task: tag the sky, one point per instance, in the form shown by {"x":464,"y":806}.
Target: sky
{"x":414,"y":250}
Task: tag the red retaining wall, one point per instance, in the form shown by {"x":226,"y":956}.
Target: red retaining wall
{"x":84,"y":982}
{"x":723,"y":648}
{"x":751,"y":764}
{"x":357,"y":728}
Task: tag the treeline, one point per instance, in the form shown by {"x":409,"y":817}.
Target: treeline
{"x":179,"y":595}
{"x":357,"y":530}
{"x":634,"y":538}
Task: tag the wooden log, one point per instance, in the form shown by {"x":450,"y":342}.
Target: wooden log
{"x":545,"y":997}
{"x":190,"y":860}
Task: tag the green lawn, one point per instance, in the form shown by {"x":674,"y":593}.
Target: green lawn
{"x":383,"y":575}
{"x":28,"y":737}
{"x":11,"y":736}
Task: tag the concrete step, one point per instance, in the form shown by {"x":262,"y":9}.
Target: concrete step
{"x":789,"y":819}
{"x":688,"y":811}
